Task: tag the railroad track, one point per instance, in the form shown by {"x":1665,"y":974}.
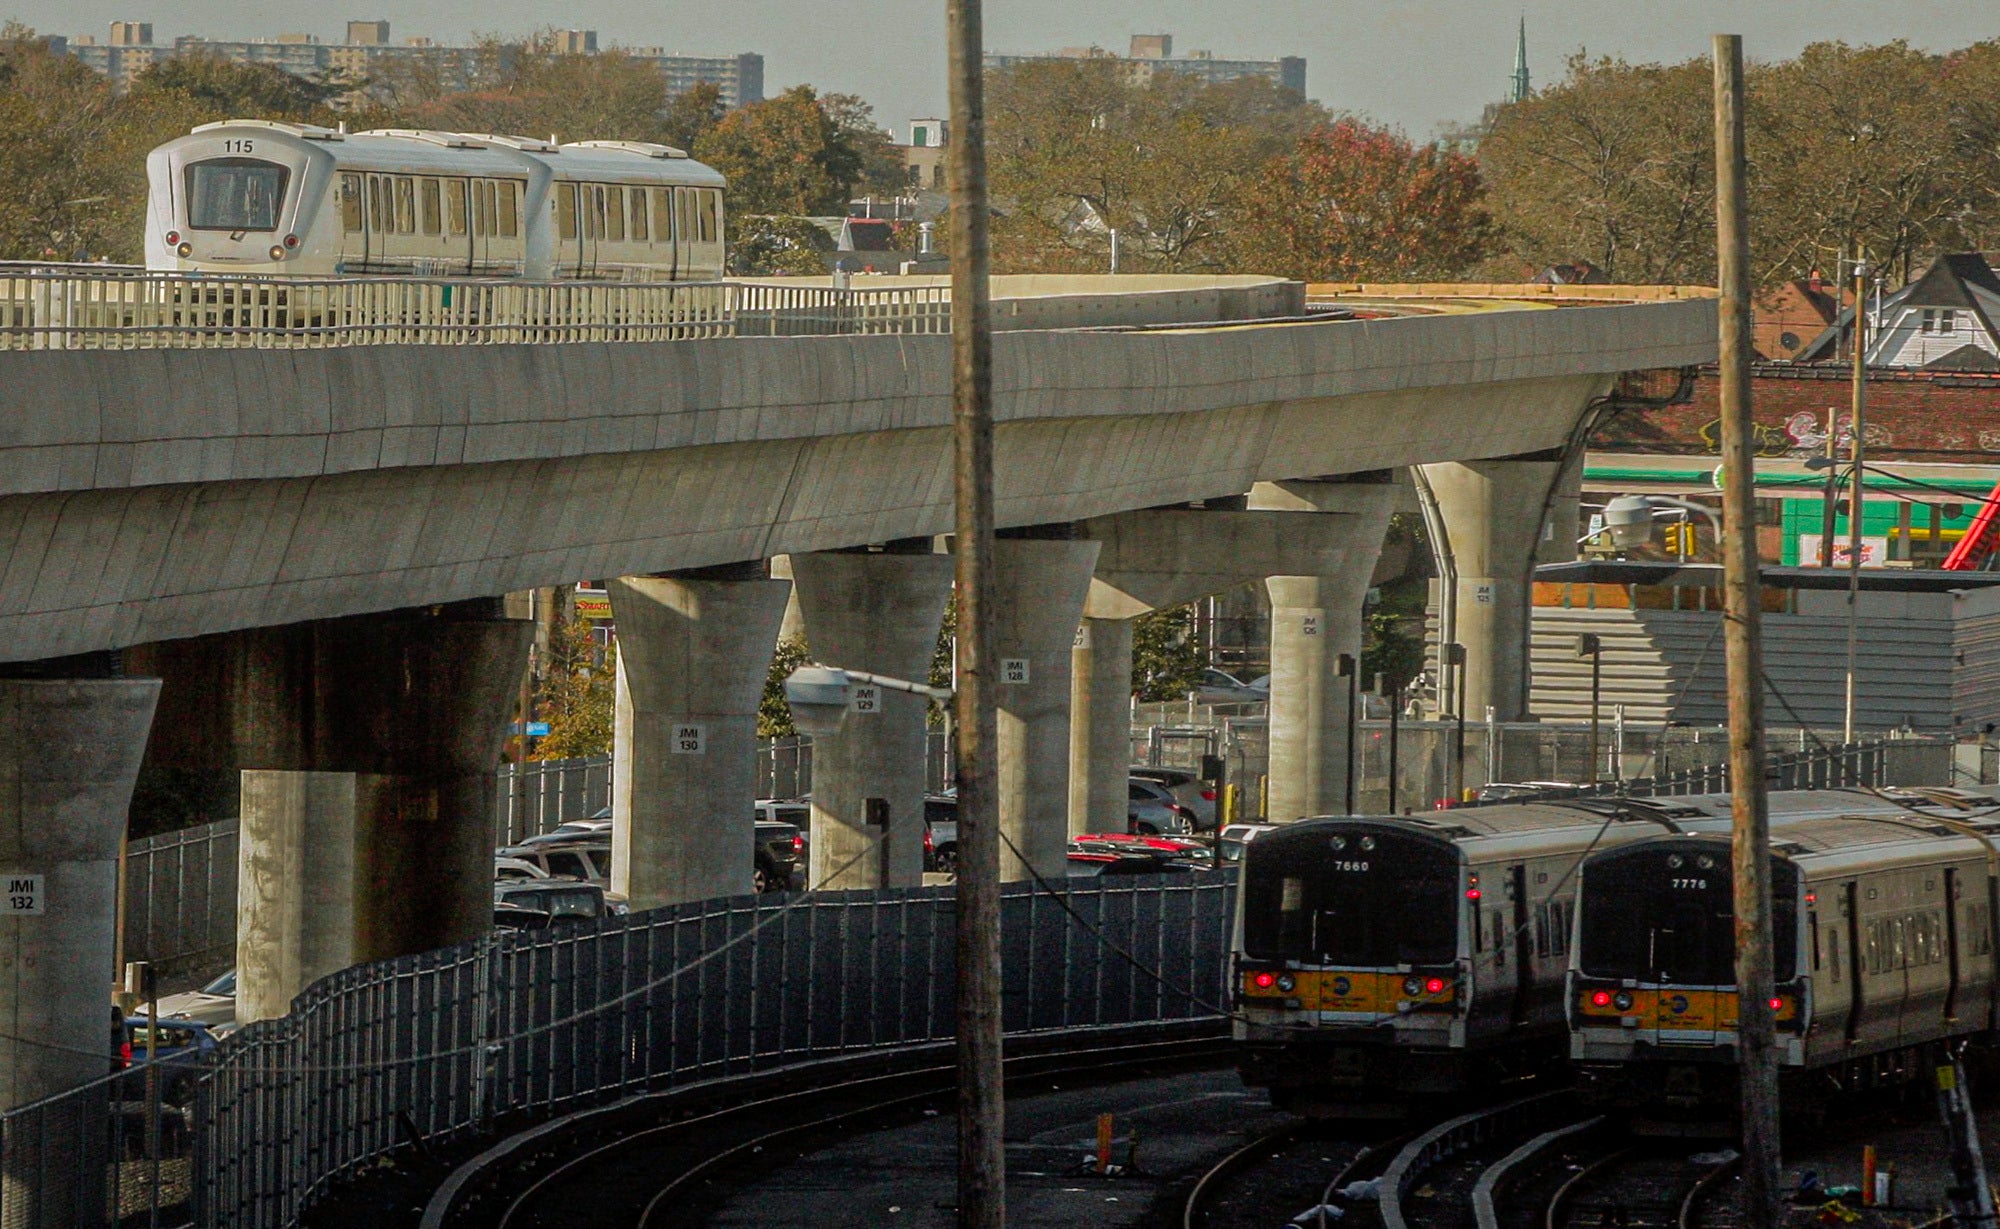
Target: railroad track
{"x":649,"y":1175}
{"x":1298,"y":1165}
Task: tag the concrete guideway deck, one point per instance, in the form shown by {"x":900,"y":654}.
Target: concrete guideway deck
{"x":146,"y":495}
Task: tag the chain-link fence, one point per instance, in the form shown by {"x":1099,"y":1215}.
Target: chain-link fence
{"x":180,"y":900}
{"x":436,"y":1046}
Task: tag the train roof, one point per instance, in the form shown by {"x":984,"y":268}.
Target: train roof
{"x":461,"y":153}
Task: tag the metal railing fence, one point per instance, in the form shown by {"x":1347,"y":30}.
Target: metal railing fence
{"x":517,"y":1025}
{"x":1869,"y":764}
{"x":180,"y":900}
{"x":124,"y":309}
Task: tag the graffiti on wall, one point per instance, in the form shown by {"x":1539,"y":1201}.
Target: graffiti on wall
{"x":1804,"y":435}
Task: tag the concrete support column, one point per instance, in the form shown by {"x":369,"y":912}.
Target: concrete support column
{"x":879,"y":613}
{"x":1039,"y":591}
{"x":379,"y":842}
{"x":1100,"y":745}
{"x":69,"y":752}
{"x":1494,"y":517}
{"x":1314,"y":619}
{"x":693,"y":653}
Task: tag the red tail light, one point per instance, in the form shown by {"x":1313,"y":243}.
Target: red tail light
{"x":798,"y":842}
{"x":930,"y":846}
{"x":125,"y":1054}
{"x":1208,"y":795}
{"x":1264,"y":981}
{"x":1434,"y":986}
{"x":1777,"y":1004}
{"x":1601,"y":998}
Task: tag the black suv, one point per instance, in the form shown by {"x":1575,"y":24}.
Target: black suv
{"x":781,"y":857}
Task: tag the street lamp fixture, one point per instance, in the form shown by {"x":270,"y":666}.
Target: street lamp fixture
{"x":820,"y":697}
{"x":1629,"y":518}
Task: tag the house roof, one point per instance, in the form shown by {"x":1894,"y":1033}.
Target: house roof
{"x":1948,"y":283}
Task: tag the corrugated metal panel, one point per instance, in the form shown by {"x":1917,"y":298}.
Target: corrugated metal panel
{"x":1668,"y":665}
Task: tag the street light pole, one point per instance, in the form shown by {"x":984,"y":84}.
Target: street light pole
{"x":1859,"y":450}
{"x":1350,"y":669}
{"x":982,"y":1175}
{"x":1743,"y":641}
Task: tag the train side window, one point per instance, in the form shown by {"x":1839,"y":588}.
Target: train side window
{"x":378,"y":196}
{"x":350,"y":203}
{"x":1874,"y":960}
{"x":639,"y":228}
{"x":614,"y":214}
{"x":707,"y":204}
{"x":510,"y":208}
{"x":566,"y":210}
{"x":1978,"y":923}
{"x":663,"y":215}
{"x":684,"y":214}
{"x":406,"y":205}
{"x":454,"y":198}
{"x":1899,"y":944}
{"x":1552,"y":929}
{"x":433,"y":210}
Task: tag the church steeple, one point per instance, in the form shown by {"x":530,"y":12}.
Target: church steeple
{"x":1519,"y":90}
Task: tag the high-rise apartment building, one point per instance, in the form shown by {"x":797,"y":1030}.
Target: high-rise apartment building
{"x":1154,"y":53}
{"x":368,"y":53}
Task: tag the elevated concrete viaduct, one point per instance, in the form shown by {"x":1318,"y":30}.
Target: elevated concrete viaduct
{"x":365,"y":498}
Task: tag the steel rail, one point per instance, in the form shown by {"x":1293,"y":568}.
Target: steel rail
{"x":1560,"y":1201}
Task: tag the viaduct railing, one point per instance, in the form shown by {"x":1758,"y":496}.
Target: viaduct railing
{"x":120,"y":308}
{"x":442,"y":1046}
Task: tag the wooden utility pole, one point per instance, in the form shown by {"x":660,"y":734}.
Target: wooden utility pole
{"x":982,"y":1177}
{"x":1858,"y":450}
{"x":1750,"y":845}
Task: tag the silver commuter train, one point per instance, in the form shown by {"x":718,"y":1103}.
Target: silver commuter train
{"x":1381,"y":959}
{"x":282,"y":199}
{"x":1883,"y":917}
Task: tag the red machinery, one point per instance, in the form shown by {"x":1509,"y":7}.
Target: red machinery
{"x":1981,"y":538}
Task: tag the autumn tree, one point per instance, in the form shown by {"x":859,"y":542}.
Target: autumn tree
{"x":882,"y":172}
{"x":784,"y":155}
{"x":1077,"y":149}
{"x":1166,"y":659}
{"x":241,"y":91}
{"x":691,"y":113}
{"x":1613,"y":164}
{"x":1357,"y":203}
{"x":578,"y":692}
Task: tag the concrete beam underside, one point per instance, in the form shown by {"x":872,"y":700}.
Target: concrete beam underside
{"x":692,"y":658}
{"x":117,"y":567}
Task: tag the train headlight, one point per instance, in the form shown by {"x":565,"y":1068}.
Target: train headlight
{"x":1286,"y":982}
{"x":173,"y":237}
{"x":1412,"y":986}
{"x":1622,"y":1000}
{"x":1337,"y":844}
{"x":291,"y":241}
{"x":277,"y":251}
{"x":1368,"y":842}
{"x":184,"y":251}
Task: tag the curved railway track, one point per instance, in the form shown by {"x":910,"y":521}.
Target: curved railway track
{"x":1527,"y":1164}
{"x":668,"y":1171}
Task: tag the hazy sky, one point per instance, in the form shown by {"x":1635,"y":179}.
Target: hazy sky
{"x":1413,"y":63}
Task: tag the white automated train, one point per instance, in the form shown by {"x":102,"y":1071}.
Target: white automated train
{"x":281,"y":199}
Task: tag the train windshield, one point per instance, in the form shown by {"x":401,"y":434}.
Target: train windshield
{"x":235,"y":194}
{"x":1666,"y":915}
{"x":1350,"y":896}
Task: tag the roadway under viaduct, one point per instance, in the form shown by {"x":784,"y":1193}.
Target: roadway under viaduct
{"x":292,"y":562}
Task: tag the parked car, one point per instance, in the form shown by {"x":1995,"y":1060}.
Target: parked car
{"x":574,"y":830}
{"x":780,"y":857}
{"x":1194,"y":852}
{"x":1091,"y":864}
{"x":177,"y":1045}
{"x":1150,"y":809}
{"x":213,"y":1006}
{"x":586,"y":859}
{"x":564,"y":900}
{"x":941,"y":832}
{"x":509,"y":916}
{"x":517,"y":868}
{"x":1187,"y":788}
{"x":1222,"y":687}
{"x":1230,"y":841}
